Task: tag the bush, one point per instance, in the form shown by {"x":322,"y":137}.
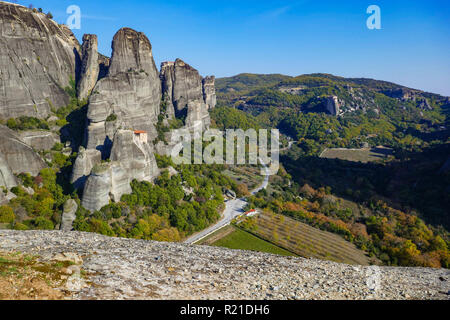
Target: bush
{"x":58,"y":147}
{"x":27,"y":123}
{"x":42,"y":223}
{"x":6,"y":214}
{"x":112,"y":117}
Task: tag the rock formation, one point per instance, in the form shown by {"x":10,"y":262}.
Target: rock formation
{"x":209,"y":92}
{"x":7,"y":178}
{"x":19,"y":156}
{"x":103,"y":62}
{"x":333,"y":106}
{"x":129,"y":96}
{"x":135,"y":156}
{"x":84,"y":163}
{"x":97,"y":188}
{"x":37,"y":59}
{"x":108,"y":181}
{"x":69,"y":215}
{"x":39,"y":140}
{"x":167,"y":76}
{"x":183,"y":92}
{"x":130,"y":269}
{"x":90,"y":66}
{"x":131,"y":158}
{"x":124,"y":108}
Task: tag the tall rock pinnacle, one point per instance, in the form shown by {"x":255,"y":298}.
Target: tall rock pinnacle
{"x":129,"y":97}
{"x":90,"y":67}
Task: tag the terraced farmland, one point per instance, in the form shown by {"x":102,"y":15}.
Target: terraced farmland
{"x":307,"y":241}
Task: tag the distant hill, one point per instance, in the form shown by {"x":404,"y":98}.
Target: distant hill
{"x":325,"y":93}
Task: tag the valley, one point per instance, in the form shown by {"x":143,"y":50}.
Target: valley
{"x":87,"y":171}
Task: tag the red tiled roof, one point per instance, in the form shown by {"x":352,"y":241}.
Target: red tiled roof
{"x":139,"y":131}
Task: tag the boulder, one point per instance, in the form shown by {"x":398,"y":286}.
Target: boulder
{"x":38,"y":58}
{"x":230,"y":193}
{"x":18,"y":155}
{"x":69,"y":215}
{"x":90,"y":66}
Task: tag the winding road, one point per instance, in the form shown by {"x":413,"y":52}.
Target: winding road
{"x":233,"y":209}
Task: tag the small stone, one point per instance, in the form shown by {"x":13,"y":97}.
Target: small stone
{"x":66,"y":271}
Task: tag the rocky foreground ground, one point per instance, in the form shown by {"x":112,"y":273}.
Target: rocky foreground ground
{"x":112,"y":268}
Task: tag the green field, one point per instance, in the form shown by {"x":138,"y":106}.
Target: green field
{"x":243,"y":240}
{"x":358,"y":155}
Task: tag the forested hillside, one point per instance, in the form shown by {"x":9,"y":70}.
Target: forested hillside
{"x":400,"y":201}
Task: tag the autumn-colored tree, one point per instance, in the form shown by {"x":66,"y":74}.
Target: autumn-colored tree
{"x":242,"y":190}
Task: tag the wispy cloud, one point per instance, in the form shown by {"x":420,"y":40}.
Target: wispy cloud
{"x":276,"y":12}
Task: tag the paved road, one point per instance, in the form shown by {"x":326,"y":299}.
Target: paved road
{"x":233,"y":208}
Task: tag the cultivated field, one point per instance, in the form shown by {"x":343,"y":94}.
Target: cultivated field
{"x":235,"y":238}
{"x":307,"y":241}
{"x":251,"y":176}
{"x":358,"y":155}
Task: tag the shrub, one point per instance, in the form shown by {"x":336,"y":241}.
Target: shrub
{"x":42,"y":223}
{"x":6,"y":214}
{"x":112,"y":117}
{"x":58,"y":147}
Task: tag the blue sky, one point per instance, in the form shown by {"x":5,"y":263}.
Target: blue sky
{"x":225,"y":38}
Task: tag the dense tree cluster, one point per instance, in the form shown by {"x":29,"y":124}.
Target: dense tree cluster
{"x":394,"y":237}
{"x":172,"y":208}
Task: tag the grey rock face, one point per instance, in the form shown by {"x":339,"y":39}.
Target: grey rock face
{"x":187,"y":85}
{"x":167,"y":76}
{"x":39,"y":140}
{"x":134,"y":155}
{"x":183,"y":91}
{"x":132,"y":158}
{"x":333,"y":106}
{"x":7,"y":178}
{"x":69,"y":215}
{"x":37,"y":59}
{"x":197,"y":114}
{"x":108,"y":181}
{"x":97,"y":188}
{"x":130,"y":94}
{"x":84,"y":163}
{"x":19,"y":156}
{"x":425,"y":105}
{"x":131,"y":51}
{"x":90,"y":66}
{"x":209,"y":92}
{"x":129,"y":269}
{"x":103,"y":62}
